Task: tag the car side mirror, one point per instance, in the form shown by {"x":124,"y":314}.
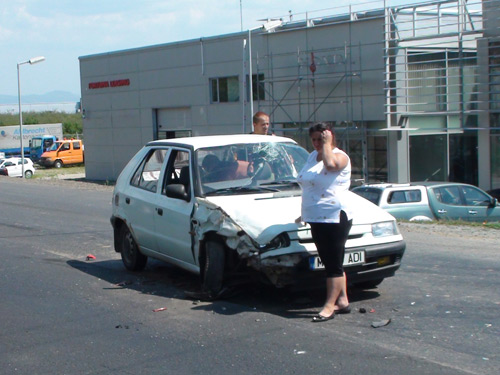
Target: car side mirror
{"x":177,"y":191}
{"x":493,"y":203}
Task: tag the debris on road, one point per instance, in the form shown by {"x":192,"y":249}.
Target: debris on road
{"x":159,"y":309}
{"x":124,"y":283}
{"x":362,"y":310}
{"x":91,"y":257}
{"x":381,"y":323}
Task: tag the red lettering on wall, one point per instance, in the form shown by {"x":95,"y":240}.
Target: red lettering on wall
{"x":98,"y":85}
{"x":120,"y":82}
{"x":104,"y":84}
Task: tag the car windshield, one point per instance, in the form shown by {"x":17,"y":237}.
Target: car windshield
{"x":36,"y":143}
{"x":55,"y":146}
{"x":250,"y":168}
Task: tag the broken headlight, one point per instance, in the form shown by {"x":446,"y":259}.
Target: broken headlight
{"x":386,"y":228}
{"x":282,"y":240}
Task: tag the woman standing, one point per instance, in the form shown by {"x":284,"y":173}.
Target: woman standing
{"x":325,"y":179}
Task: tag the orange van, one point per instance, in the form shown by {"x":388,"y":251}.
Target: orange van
{"x":65,"y":152}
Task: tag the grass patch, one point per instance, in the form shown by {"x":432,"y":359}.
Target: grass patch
{"x":42,"y":172}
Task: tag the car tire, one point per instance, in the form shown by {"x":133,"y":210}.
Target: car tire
{"x":28,"y":174}
{"x":132,"y":258}
{"x":369,"y":284}
{"x":213,"y":267}
{"x":58,"y":164}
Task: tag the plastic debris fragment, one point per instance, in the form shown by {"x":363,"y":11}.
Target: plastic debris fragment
{"x":381,"y":323}
{"x":91,"y":257}
{"x":159,"y":309}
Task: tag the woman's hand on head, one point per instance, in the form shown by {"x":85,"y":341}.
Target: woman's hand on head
{"x":327,"y":137}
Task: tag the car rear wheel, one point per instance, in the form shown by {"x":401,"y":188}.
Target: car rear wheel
{"x":58,"y":164}
{"x":213,"y":268}
{"x":28,"y":174}
{"x":132,"y":258}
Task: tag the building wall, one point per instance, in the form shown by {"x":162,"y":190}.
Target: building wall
{"x":158,"y":84}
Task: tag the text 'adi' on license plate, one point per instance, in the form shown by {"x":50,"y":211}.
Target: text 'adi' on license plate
{"x":352,"y":258}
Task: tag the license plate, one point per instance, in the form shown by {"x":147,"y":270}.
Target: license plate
{"x":350,"y":259}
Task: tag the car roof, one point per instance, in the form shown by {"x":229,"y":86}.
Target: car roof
{"x":411,"y":184}
{"x":220,"y":140}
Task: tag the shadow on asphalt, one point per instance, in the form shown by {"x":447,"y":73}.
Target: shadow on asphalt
{"x":164,"y":280}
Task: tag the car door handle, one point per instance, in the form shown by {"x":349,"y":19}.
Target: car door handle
{"x":127,"y":200}
{"x":160,"y":211}
{"x":441,"y":211}
{"x":473,"y":212}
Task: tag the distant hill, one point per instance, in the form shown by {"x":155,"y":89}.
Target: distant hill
{"x":49,"y":97}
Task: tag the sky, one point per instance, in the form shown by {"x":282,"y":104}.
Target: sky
{"x":63,"y":30}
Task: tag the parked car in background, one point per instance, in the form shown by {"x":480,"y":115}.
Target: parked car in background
{"x":65,"y":152}
{"x":432,"y":201}
{"x":226,"y":206}
{"x":13,"y":167}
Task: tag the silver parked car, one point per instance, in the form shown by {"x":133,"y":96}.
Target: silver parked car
{"x":432,"y":201}
{"x":221,"y":206}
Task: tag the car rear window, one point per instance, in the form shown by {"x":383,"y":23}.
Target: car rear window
{"x":404,"y":196}
{"x":373,"y":195}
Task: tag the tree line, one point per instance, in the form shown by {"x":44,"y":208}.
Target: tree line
{"x":72,"y":122}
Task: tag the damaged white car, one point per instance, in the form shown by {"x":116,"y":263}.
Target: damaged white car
{"x":226,"y":206}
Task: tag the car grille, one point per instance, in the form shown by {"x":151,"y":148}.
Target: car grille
{"x":310,"y":240}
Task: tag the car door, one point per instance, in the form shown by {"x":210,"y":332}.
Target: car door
{"x":447,"y":203}
{"x":140,"y":197}
{"x":64,"y":152}
{"x":173,"y":213}
{"x":479,"y":205}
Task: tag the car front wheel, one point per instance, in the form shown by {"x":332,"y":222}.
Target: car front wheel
{"x":213,"y":269}
{"x":132,"y":258}
{"x":58,"y":164}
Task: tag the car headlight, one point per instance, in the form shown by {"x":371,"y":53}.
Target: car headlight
{"x":282,"y":240}
{"x":386,"y":228}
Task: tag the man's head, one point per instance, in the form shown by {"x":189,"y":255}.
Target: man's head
{"x":260,"y":123}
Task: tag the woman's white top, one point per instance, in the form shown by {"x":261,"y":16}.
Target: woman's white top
{"x":323,"y":191}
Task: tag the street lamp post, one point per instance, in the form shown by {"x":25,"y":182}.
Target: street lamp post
{"x":31,"y":61}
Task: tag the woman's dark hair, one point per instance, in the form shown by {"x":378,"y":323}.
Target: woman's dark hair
{"x":320,"y":127}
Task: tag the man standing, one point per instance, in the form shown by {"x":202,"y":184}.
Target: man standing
{"x":260,"y":123}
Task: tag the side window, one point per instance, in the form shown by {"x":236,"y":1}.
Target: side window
{"x":448,"y":195}
{"x":405,"y":196}
{"x":76,"y":145}
{"x":413,"y":196}
{"x":147,"y":175}
{"x":65,"y":147}
{"x":474,"y":197}
{"x":178,"y":174}
{"x":396,"y":197}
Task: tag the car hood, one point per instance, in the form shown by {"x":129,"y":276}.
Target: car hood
{"x":264,"y":216}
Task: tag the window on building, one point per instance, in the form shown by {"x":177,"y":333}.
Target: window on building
{"x":224,"y":89}
{"x":258,"y":88}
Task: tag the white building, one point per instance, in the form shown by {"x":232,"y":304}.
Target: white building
{"x":406,"y":87}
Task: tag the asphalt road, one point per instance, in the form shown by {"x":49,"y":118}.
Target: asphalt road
{"x":64,"y":314}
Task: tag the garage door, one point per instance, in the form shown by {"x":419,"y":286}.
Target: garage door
{"x":173,"y":122}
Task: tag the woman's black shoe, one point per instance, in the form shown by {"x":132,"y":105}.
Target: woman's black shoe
{"x":320,"y":318}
